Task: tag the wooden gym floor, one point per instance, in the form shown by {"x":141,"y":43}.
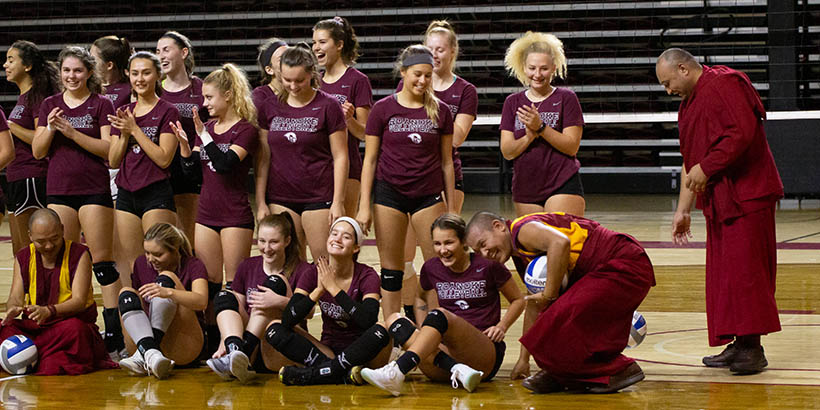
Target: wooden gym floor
{"x":670,"y":355}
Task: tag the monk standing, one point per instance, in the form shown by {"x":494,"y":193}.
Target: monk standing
{"x":729,"y":169}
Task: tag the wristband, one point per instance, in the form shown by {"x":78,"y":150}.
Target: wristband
{"x":206,"y":138}
{"x":541,"y":128}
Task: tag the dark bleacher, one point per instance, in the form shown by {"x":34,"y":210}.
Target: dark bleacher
{"x":611,"y":47}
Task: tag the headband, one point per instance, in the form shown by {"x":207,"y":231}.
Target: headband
{"x":356,"y":227}
{"x":421,"y":58}
{"x":264,"y":59}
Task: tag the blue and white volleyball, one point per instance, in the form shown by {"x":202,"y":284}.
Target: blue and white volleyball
{"x":637,"y":332}
{"x":18,"y":355}
{"x":535,"y":277}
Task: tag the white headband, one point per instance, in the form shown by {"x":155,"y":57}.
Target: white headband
{"x":354,"y":224}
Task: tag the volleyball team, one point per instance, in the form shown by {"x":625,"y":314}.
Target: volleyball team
{"x":150,"y":164}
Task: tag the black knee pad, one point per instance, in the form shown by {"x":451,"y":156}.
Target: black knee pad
{"x":105,"y":272}
{"x":225,"y":300}
{"x":401,"y":330}
{"x":278,"y":336}
{"x":276,"y":284}
{"x":392,"y":279}
{"x":165,"y":281}
{"x":129,"y":302}
{"x":213,"y":289}
{"x":436,"y":320}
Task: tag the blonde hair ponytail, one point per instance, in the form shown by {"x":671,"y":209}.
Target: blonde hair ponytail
{"x":532,"y":42}
{"x":232,"y":78}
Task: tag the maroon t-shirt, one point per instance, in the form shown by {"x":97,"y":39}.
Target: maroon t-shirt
{"x":24,"y":165}
{"x":301,"y":168}
{"x":260,"y":96}
{"x":190,"y":269}
{"x":251,"y":274}
{"x":71,"y":169}
{"x":224,"y":197}
{"x":119,"y":93}
{"x":4,"y":126}
{"x":338,"y":329}
{"x":187,"y":101}
{"x":353,"y":86}
{"x":462,"y":98}
{"x":48,"y":280}
{"x":472,"y":295}
{"x":541,"y":168}
{"x":137,"y":170}
{"x":410,"y":157}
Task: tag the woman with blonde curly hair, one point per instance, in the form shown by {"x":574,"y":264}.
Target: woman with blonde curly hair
{"x":541,"y":131}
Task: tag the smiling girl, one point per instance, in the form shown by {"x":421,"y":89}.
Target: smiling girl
{"x":73,"y":131}
{"x":408,"y":163}
{"x":336,"y":48}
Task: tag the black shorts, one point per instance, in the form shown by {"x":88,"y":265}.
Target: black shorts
{"x":218,"y":229}
{"x":78,"y":201}
{"x":26,"y":194}
{"x":571,"y":187}
{"x":500,"y":350}
{"x":155,"y":196}
{"x":386,"y":195}
{"x":460,"y":185}
{"x":181,"y":184}
{"x":301,"y":207}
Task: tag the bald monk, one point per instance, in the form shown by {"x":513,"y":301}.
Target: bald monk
{"x":729,"y":170}
{"x":581,"y":329}
{"x":51,"y":289}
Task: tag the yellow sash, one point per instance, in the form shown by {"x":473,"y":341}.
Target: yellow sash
{"x":65,"y":278}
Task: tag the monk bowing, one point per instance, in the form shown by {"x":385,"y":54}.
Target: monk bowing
{"x":730,"y":172}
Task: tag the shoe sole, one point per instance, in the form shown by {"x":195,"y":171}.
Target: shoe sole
{"x":164,"y":369}
{"x":356,"y":376}
{"x":614,"y":388}
{"x":472,"y":382}
{"x":379,"y":385}
{"x":222,"y":375}
{"x":239,"y":368}
{"x":140,"y":371}
{"x":746,"y":372}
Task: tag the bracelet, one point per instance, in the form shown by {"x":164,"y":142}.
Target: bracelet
{"x":541,"y":128}
{"x":53,"y":311}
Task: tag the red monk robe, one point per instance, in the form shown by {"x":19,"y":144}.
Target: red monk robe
{"x":579,"y":337}
{"x":66,"y":345}
{"x":721,"y":128}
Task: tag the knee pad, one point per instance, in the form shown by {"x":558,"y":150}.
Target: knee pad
{"x":278,"y":336}
{"x":392,"y":279}
{"x":401,"y":330}
{"x":165,"y":281}
{"x":276,"y":284}
{"x":225,"y":300}
{"x":129,"y":302}
{"x":436,"y":320}
{"x":105,"y":272}
{"x":213,"y":289}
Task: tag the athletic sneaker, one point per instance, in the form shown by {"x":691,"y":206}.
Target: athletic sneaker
{"x":117,"y":355}
{"x":157,"y":364}
{"x":466,"y":375}
{"x":355,"y":376}
{"x":239,"y":366}
{"x":388,"y":377}
{"x":221,"y":366}
{"x":135,"y":364}
{"x":296,"y":376}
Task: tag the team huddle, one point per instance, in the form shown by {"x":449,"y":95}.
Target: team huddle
{"x":150,"y":165}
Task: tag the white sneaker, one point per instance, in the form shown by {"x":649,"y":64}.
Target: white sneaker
{"x":118,"y":355}
{"x":388,"y":377}
{"x":466,"y":375}
{"x":395,"y":353}
{"x":239,"y":363}
{"x":134,"y":364}
{"x":221,"y":366}
{"x":157,"y":364}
